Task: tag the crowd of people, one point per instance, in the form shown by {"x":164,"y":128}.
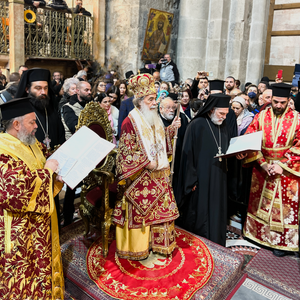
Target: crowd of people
{"x":192,"y":185}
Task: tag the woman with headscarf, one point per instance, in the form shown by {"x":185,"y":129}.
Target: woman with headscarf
{"x":243,"y":116}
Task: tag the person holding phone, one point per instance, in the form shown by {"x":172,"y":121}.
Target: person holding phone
{"x":279,"y":78}
{"x":168,"y":70}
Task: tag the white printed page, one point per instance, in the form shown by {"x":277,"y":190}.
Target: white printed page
{"x":244,"y":143}
{"x":80,"y":154}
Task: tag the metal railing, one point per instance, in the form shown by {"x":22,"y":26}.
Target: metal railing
{"x":58,"y":34}
{"x":4,"y":29}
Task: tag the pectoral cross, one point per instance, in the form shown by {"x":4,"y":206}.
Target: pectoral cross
{"x":47,"y":141}
{"x":219,"y":153}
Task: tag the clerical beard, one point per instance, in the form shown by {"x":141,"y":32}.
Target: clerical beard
{"x":151,"y":115}
{"x":25,"y":137}
{"x":215,"y":119}
{"x":40,"y":102}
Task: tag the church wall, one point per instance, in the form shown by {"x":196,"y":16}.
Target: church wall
{"x":126,"y":23}
{"x":232,"y":34}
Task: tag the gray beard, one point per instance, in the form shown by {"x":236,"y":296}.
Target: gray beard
{"x":26,"y":138}
{"x":151,"y":115}
{"x":169,"y":117}
{"x":215,"y":120}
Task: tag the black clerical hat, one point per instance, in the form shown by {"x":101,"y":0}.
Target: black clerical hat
{"x":221,"y":100}
{"x":266,"y":79}
{"x":281,"y":89}
{"x":32,"y":75}
{"x":216,"y":85}
{"x":128,"y":74}
{"x":173,"y":96}
{"x":37,"y":74}
{"x":214,"y":100}
{"x":297,"y":102}
{"x":16,"y":108}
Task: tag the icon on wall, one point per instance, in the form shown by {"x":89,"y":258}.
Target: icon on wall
{"x":158,"y":34}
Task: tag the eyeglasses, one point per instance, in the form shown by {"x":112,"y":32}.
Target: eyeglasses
{"x":170,"y":107}
{"x":102,"y":85}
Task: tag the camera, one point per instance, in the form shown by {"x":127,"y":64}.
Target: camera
{"x":164,"y":61}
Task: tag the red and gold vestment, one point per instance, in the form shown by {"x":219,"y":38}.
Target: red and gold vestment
{"x":273,"y":210}
{"x":148,"y":209}
{"x":30,"y":263}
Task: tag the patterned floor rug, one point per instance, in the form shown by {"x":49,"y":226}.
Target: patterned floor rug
{"x":248,"y":289}
{"x":236,"y":243}
{"x":281,"y":274}
{"x":74,"y":247}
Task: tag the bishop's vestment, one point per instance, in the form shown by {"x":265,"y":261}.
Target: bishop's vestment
{"x":273,"y":211}
{"x":148,"y":209}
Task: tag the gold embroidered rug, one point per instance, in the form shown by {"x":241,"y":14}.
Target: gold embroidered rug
{"x":178,"y":276}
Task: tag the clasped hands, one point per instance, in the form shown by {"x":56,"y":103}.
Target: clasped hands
{"x":272,"y":169}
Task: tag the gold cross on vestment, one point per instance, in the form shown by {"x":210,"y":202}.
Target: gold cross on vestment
{"x":289,"y":119}
{"x":267,"y":124}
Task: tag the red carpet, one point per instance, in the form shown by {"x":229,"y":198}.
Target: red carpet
{"x":178,"y":277}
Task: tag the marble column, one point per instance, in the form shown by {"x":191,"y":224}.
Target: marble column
{"x":217,"y":38}
{"x":257,"y":40}
{"x":192,"y":37}
{"x":237,"y":43}
{"x":99,"y":30}
{"x":16,"y":35}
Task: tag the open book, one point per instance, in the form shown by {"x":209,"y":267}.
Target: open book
{"x":80,"y":154}
{"x":244,"y":144}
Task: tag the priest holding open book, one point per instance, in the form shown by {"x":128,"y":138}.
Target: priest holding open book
{"x":203,"y":172}
{"x":30,"y":262}
{"x":273,"y":211}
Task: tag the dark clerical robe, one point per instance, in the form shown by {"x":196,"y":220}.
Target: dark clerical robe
{"x":205,"y":209}
{"x":53,"y":123}
{"x":179,"y":143}
{"x":273,"y":211}
{"x":30,"y":263}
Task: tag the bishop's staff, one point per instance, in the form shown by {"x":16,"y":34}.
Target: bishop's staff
{"x":175,"y":138}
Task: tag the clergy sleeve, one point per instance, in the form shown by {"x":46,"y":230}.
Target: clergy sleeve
{"x":292,"y":162}
{"x":170,"y":133}
{"x":188,"y":165}
{"x":256,"y":155}
{"x":130,"y":158}
{"x":22,"y":190}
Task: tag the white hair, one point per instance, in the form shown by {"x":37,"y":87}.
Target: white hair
{"x":68,"y":82}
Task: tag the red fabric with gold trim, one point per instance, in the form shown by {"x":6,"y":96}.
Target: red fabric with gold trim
{"x":164,"y":211}
{"x":178,"y":276}
{"x":144,"y":192}
{"x":130,"y":163}
{"x":272,"y":218}
{"x":26,"y":271}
